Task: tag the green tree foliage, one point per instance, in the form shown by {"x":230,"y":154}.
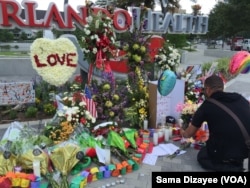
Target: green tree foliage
{"x":125,"y":4}
{"x":179,"y":40}
{"x":23,"y":36}
{"x":6,"y":35}
{"x":39,"y":34}
{"x":230,"y":19}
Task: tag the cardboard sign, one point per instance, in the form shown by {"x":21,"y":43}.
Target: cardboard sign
{"x":16,"y":93}
{"x":162,"y":106}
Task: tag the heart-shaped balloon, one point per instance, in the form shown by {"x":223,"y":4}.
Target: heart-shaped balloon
{"x":54,"y":60}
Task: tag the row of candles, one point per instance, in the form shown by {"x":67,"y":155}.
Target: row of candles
{"x":163,"y":133}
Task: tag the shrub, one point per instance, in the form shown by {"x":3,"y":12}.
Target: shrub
{"x":31,"y":111}
{"x":13,"y":114}
{"x":49,"y":109}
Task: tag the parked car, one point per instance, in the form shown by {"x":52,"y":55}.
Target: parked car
{"x":246,"y":45}
{"x":219,"y":42}
{"x":236,"y":43}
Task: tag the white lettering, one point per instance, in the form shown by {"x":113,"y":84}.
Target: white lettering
{"x":160,"y":179}
{"x":203,"y":181}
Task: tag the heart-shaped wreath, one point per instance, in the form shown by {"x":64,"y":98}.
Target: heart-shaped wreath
{"x":54,"y":60}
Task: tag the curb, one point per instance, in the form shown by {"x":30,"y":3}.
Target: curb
{"x":29,"y":123}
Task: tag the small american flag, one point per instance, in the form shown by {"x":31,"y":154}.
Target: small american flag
{"x":91,"y":107}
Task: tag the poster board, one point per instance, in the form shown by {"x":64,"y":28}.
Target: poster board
{"x":13,"y":93}
{"x":162,"y":106}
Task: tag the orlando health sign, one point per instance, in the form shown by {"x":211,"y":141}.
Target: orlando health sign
{"x":157,"y":22}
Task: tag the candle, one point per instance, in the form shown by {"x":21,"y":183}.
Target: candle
{"x":166,"y":135}
{"x":170,"y":132}
{"x":36,"y":168}
{"x":155,"y":138}
{"x":160,"y":134}
{"x":145,"y":124}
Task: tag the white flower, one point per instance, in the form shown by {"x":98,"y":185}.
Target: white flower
{"x":87,"y":32}
{"x":89,"y":19}
{"x":82,"y":103}
{"x":94,"y":50}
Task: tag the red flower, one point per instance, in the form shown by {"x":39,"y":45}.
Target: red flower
{"x":78,"y":79}
{"x":83,"y":120}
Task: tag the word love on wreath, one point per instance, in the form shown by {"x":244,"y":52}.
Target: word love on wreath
{"x":54,"y":60}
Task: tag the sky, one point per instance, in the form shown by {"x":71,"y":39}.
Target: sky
{"x":206,"y":5}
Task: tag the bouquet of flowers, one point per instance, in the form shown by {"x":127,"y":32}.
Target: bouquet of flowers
{"x":167,"y":58}
{"x":99,"y":40}
{"x":187,"y":111}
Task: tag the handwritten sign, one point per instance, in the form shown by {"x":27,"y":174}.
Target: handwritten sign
{"x":162,"y":106}
{"x":16,"y":93}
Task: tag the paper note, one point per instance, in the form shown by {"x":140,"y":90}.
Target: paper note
{"x":150,"y":159}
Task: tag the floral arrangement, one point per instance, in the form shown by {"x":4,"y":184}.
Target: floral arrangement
{"x":110,"y":98}
{"x":194,"y":91}
{"x":167,"y":58}
{"x":54,"y":60}
{"x":136,"y":53}
{"x":99,"y":40}
{"x":135,"y":43}
{"x":187,"y":111}
{"x":71,"y":113}
{"x":138,"y":95}
{"x":193,"y":86}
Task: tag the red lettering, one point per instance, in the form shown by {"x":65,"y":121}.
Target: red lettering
{"x":61,"y":60}
{"x":52,"y":59}
{"x":53,"y":14}
{"x":128,"y":20}
{"x":70,"y":59}
{"x":37,"y":61}
{"x":10,"y":10}
{"x":72,"y":14}
{"x":31,"y":12}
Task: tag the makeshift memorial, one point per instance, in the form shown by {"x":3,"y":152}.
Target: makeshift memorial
{"x":54,"y":60}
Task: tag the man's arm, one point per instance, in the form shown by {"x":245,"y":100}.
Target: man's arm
{"x":189,"y":132}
